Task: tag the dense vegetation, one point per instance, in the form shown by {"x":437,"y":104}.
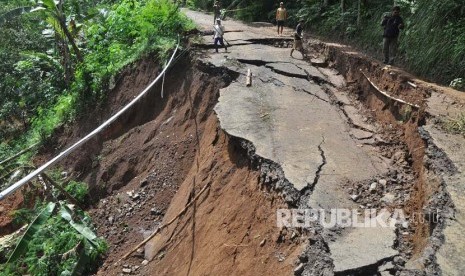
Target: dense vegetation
{"x":432,"y":44}
{"x":58,"y":59}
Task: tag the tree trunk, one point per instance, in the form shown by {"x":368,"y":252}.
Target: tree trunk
{"x":71,"y":40}
{"x":359,"y":13}
{"x":62,"y":20}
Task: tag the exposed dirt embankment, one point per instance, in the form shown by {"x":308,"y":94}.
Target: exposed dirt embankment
{"x":402,"y":123}
{"x":147,"y":165}
{"x":232,"y":227}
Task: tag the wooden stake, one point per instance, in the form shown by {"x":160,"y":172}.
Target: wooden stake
{"x":249,"y":78}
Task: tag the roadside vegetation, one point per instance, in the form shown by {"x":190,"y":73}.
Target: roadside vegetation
{"x":432,"y":45}
{"x":58,"y":60}
{"x":59,"y":239}
{"x":454,"y":125}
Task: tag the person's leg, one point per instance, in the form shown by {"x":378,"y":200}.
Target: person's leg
{"x":300,"y":48}
{"x":303,"y":52}
{"x":277,"y":22}
{"x":386,"y":42}
{"x":393,"y":49}
{"x":216,"y":44}
{"x":222,"y":43}
{"x":294,"y":46}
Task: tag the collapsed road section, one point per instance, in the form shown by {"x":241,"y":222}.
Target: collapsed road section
{"x":345,"y":134}
{"x":224,"y":178}
{"x":230,"y":171}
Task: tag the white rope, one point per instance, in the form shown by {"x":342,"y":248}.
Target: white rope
{"x":63,"y":154}
{"x":163,"y":84}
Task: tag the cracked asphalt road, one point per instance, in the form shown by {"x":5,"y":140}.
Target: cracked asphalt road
{"x":290,"y":115}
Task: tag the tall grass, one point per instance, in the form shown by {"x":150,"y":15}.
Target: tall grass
{"x":432,"y":44}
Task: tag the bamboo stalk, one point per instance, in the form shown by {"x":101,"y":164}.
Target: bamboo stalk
{"x":386,"y":94}
{"x":18,"y":154}
{"x":163,"y":226}
{"x":62,"y":190}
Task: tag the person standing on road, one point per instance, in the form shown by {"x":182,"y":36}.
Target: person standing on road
{"x":392,"y":25}
{"x":218,"y":36}
{"x":216,"y":11}
{"x":298,"y":36}
{"x":281,"y":16}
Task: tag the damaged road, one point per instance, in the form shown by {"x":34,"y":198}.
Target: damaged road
{"x":335,"y":151}
{"x":314,"y":135}
{"x":291,"y":116}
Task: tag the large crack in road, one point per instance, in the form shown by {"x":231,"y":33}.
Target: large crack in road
{"x":286,"y":126}
{"x":281,"y":124}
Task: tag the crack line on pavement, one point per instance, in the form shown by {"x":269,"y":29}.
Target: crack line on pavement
{"x":309,"y":77}
{"x":340,"y":107}
{"x":323,"y":162}
{"x":312,"y":94}
{"x":316,"y":79}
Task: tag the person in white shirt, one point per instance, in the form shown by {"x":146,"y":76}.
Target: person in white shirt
{"x":218,"y":36}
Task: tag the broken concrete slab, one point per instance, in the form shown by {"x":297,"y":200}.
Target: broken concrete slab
{"x":340,"y":96}
{"x":357,"y":119}
{"x":443,"y":105}
{"x":362,"y":247}
{"x":276,"y":120}
{"x":287,"y":69}
{"x":286,"y":125}
{"x":333,"y":77}
{"x":451,"y":255}
{"x":360,"y":134}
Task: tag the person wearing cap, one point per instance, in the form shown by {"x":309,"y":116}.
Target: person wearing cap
{"x":216,"y":11}
{"x":298,"y":35}
{"x":218,"y":36}
{"x":281,"y":16}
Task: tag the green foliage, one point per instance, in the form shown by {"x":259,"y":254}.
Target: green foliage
{"x":22,"y":216}
{"x":431,"y":45}
{"x":33,"y":228}
{"x":455,"y":125}
{"x":38,"y":92}
{"x":56,"y":243}
{"x":128,"y":31}
{"x":78,"y":190}
{"x":47,"y":120}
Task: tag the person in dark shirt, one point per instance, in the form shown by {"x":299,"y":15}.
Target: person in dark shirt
{"x":216,"y":11}
{"x":392,"y":25}
{"x":298,"y":35}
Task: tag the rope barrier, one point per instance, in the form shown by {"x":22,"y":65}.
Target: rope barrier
{"x":79,"y":143}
